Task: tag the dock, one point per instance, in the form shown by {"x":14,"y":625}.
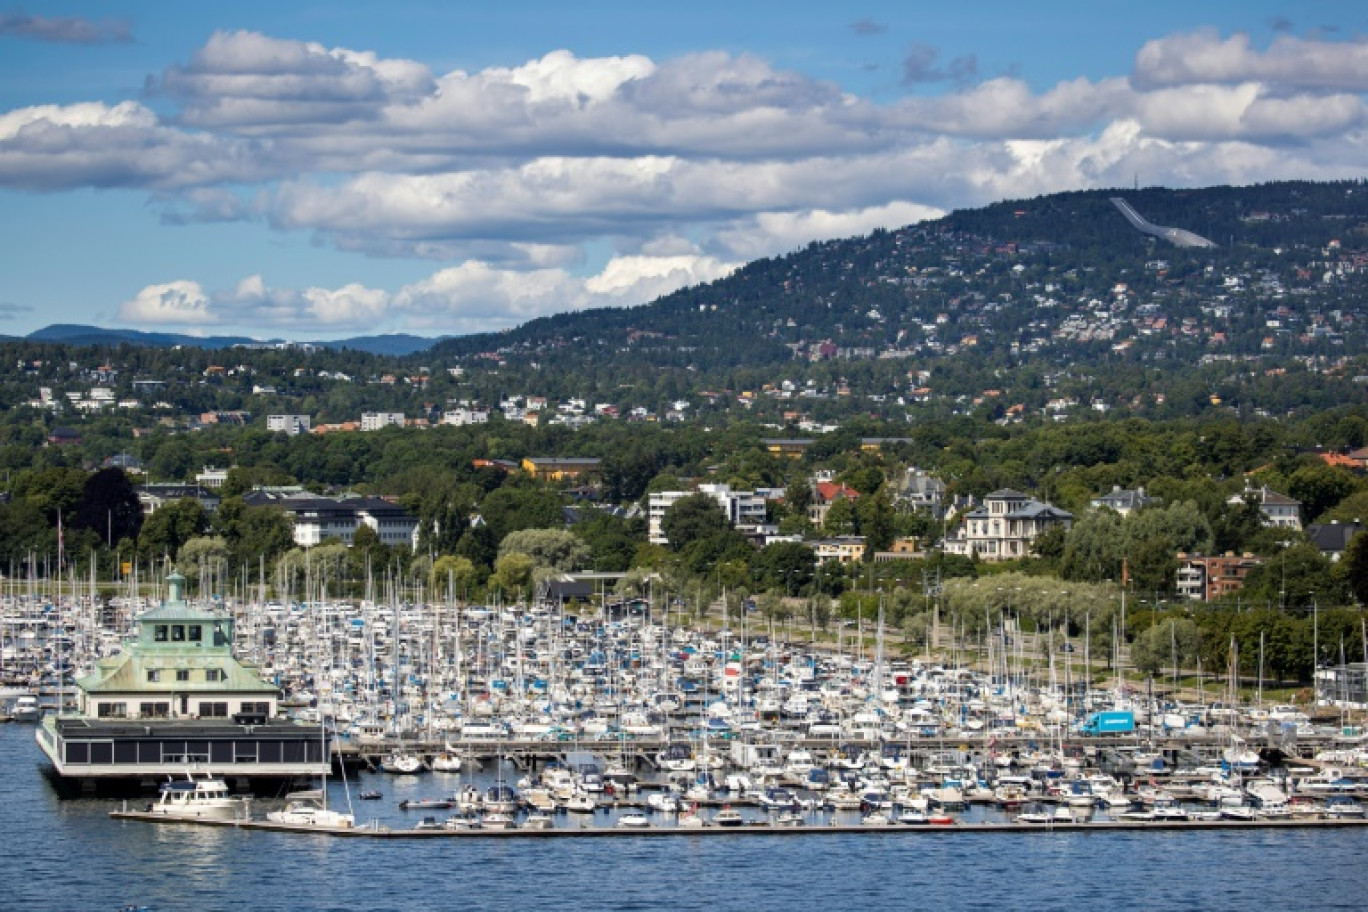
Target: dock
{"x":754,"y":829}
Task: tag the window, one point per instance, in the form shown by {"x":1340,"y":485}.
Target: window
{"x":153,"y":675}
{"x":154,"y":710}
{"x":177,"y":633}
{"x":112,"y":710}
{"x":182,"y":674}
{"x":262,"y":707}
{"x":213,"y":710}
{"x":159,"y":633}
{"x":194,"y":633}
{"x":213,"y":674}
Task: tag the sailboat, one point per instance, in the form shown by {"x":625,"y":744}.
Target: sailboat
{"x":309,"y":808}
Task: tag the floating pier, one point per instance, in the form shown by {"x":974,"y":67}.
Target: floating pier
{"x":376,"y":831}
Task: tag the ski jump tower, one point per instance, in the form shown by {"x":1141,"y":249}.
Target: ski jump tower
{"x":1179,"y":237}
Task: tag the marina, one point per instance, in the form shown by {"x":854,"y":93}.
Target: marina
{"x":525,"y":718}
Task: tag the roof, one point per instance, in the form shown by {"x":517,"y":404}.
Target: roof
{"x":1006,"y":494}
{"x":563,"y":460}
{"x":828,"y":491}
{"x":128,"y":674}
{"x":1266,"y":497}
{"x":1034,"y":509}
{"x":1120,"y":499}
{"x":1333,"y":538}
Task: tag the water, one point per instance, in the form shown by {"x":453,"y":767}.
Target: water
{"x":68,"y":855}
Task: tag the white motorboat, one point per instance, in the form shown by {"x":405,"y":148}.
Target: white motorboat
{"x":581,"y":803}
{"x":402,"y":763}
{"x":728,"y":817}
{"x":206,"y":799}
{"x":1342,"y":807}
{"x":633,"y":820}
{"x":538,"y":820}
{"x":308,"y":809}
{"x":25,"y":708}
{"x":664,"y":802}
{"x":446,"y":762}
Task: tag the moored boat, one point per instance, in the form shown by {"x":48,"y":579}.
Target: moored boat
{"x":426,"y":804}
{"x":308,"y":809}
{"x":207,"y":798}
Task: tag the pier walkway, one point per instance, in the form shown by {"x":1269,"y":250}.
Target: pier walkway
{"x":753,"y":829}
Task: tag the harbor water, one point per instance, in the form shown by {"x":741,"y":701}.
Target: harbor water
{"x":68,"y":855}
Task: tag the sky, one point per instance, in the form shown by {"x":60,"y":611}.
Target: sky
{"x":322,"y":170}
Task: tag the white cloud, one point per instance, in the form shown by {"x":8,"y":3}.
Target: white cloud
{"x":1291,"y":62}
{"x":175,"y":303}
{"x":682,"y":166}
{"x":52,"y":147}
{"x":65,"y":29}
{"x":472,"y":297}
{"x":772,"y":233}
{"x":249,"y":81}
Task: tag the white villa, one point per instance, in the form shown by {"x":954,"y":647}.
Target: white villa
{"x":1005,"y":526}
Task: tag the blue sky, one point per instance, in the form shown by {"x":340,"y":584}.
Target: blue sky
{"x":319,"y":170}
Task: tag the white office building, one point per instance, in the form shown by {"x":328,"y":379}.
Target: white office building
{"x":745,"y":510}
{"x":288,"y":424}
{"x":374,"y":421}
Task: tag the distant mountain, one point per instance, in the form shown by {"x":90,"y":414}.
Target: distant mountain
{"x":1000,"y":278}
{"x":396,"y":344}
{"x":77,"y":334}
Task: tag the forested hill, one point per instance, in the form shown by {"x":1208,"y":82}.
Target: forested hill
{"x":1005,"y":276}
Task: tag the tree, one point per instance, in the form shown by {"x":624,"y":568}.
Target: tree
{"x":24,"y":529}
{"x":840,"y":518}
{"x":1049,"y":544}
{"x":264,"y":533}
{"x":555,"y":549}
{"x":798,"y":497}
{"x":203,"y":557}
{"x":1093,"y":548}
{"x":110,"y":506}
{"x":691,"y":519}
{"x":512,"y":508}
{"x":1320,"y":487}
{"x":1157,"y":647}
{"x":1237,"y":525}
{"x":171,"y":526}
{"x":480,"y":546}
{"x":368,"y":552}
{"x":789,"y":566}
{"x":1354,"y":566}
{"x":875,"y":515}
{"x":612,"y":540}
{"x":512,"y":573}
{"x":1295,"y":578}
{"x":452,"y":575}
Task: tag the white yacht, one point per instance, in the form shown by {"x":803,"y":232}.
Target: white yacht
{"x":308,"y":809}
{"x":25,"y":708}
{"x":200,"y":799}
{"x":402,"y":762}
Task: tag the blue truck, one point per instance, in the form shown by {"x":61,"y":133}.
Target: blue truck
{"x":1108,"y":723}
